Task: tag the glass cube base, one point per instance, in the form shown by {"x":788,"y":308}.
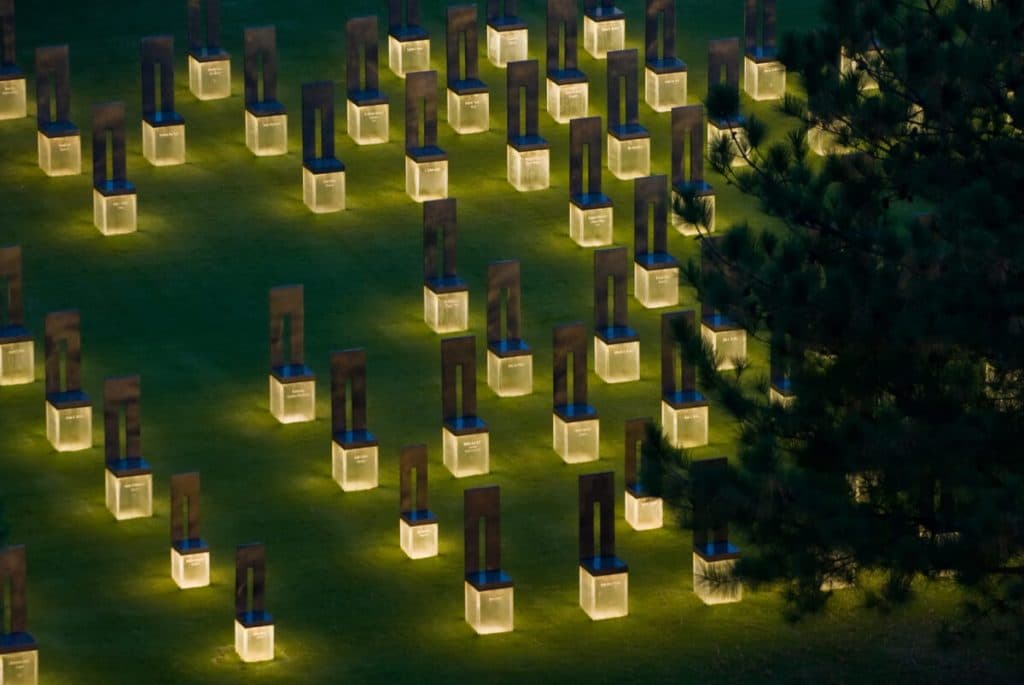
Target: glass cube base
{"x":730,"y":590}
{"x":323,"y":192}
{"x":190,"y":570}
{"x":426,"y":180}
{"x":510,"y":376}
{"x":61,"y":156}
{"x":406,"y":57}
{"x":489,"y":611}
{"x":419,"y":541}
{"x":764,"y":80}
{"x":506,"y":46}
{"x":644,"y":513}
{"x":528,"y":170}
{"x":738,"y":144}
{"x":849,"y":65}
{"x":70,"y":429}
{"x":19,"y":668}
{"x":255,"y":643}
{"x":17,"y":362}
{"x":822,"y":142}
{"x":163,"y":145}
{"x":729,"y":346}
{"x":666,"y":90}
{"x":266,"y":136}
{"x":568,"y":101}
{"x":686,"y":427}
{"x":354,"y":468}
{"x":466,"y":455}
{"x":617,"y":362}
{"x":446,"y":312}
{"x":292,"y":402}
{"x":604,"y":596}
{"x":629,"y":158}
{"x":115,"y":214}
{"x":129,"y":497}
{"x":655,"y":288}
{"x":785,"y":400}
{"x":601,"y":37}
{"x":12,"y":98}
{"x":209,"y":79}
{"x":576,"y":441}
{"x":469,"y":113}
{"x":686,"y":228}
{"x":368,"y":124}
{"x":591,"y":227}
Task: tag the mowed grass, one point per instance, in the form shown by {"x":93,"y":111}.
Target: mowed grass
{"x":183,"y":302}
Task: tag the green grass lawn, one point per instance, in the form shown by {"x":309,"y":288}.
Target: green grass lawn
{"x":183,"y":302}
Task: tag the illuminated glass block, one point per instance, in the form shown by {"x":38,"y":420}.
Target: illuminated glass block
{"x":764,"y":80}
{"x":781,"y":394}
{"x":115,"y":213}
{"x":506,"y":45}
{"x":735,"y":134}
{"x":323,"y":190}
{"x":426,"y":180}
{"x":69,"y":422}
{"x":490,"y":610}
{"x":467,"y":449}
{"x":254,"y":638}
{"x":354,"y":461}
{"x":629,"y":157}
{"x":656,"y":285}
{"x":417,"y":534}
{"x":603,"y":594}
{"x":591,"y":223}
{"x":17,"y":357}
{"x":848,"y":65}
{"x":163,"y":145}
{"x":190,"y":564}
{"x":823,"y":142}
{"x":369,"y":124}
{"x":408,"y":56}
{"x":293,"y":397}
{"x":60,"y":155}
{"x":601,"y":36}
{"x":469,"y":112}
{"x":685,"y":420}
{"x":20,"y":666}
{"x":12,"y":97}
{"x":568,"y":101}
{"x":727,"y":342}
{"x":617,"y":358}
{"x":643,"y":512}
{"x":129,"y":493}
{"x":706,"y":195}
{"x":664,"y":90}
{"x":446,"y":311}
{"x":713,"y":580}
{"x":576,"y":440}
{"x":510,"y":371}
{"x":209,"y":77}
{"x":266,"y":135}
{"x":529,"y":169}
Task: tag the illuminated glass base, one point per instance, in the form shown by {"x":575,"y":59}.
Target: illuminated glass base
{"x":576,"y":441}
{"x":293,"y":402}
{"x":822,"y":142}
{"x":17,"y":362}
{"x":129,"y":497}
{"x":368,"y":124}
{"x":655,"y":288}
{"x":254,"y":643}
{"x":686,"y":228}
{"x":849,"y":65}
{"x":60,"y":156}
{"x":323,"y":192}
{"x":764,"y":80}
{"x":737,"y":136}
{"x":617,"y":362}
{"x":510,"y":376}
{"x":685,"y":427}
{"x":418,"y":541}
{"x":602,"y":37}
{"x":644,"y":513}
{"x":529,"y":169}
{"x":115,"y":214}
{"x":590,"y":227}
{"x":665,"y":90}
{"x":12,"y":98}
{"x":785,"y":400}
{"x":468,"y":454}
{"x":568,"y":101}
{"x":354,"y":468}
{"x":446,"y":312}
{"x":266,"y":136}
{"x":469,"y":113}
{"x":408,"y":56}
{"x":712,"y":581}
{"x":20,"y":667}
{"x":629,"y":158}
{"x":604,"y":596}
{"x":69,"y":429}
{"x":209,"y":79}
{"x":506,"y":46}
{"x":163,"y":145}
{"x":729,"y":346}
{"x":489,"y":611}
{"x":191,"y":569}
{"x":426,"y":180}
